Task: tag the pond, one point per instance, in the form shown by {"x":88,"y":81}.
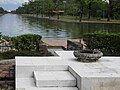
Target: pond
{"x":14,"y":25}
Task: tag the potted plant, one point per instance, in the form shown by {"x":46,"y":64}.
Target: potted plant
{"x":88,"y":55}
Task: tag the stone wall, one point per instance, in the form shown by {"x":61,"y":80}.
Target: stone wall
{"x":73,"y":45}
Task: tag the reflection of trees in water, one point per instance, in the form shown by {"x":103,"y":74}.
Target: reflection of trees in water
{"x":70,"y":30}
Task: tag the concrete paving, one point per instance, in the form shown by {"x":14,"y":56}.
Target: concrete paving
{"x":101,"y":75}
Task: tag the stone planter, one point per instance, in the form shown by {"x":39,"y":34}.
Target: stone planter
{"x":87,"y":55}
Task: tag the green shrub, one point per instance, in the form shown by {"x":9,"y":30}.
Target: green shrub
{"x":25,"y":45}
{"x":11,"y":54}
{"x":8,"y":55}
{"x":29,"y":42}
{"x":109,"y":44}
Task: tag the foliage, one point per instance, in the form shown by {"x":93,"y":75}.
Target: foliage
{"x":1,"y":10}
{"x":87,"y":8}
{"x":109,"y":44}
{"x":72,"y":8}
{"x":116,"y":9}
{"x":25,"y":45}
{"x":11,"y":54}
{"x":28,"y":42}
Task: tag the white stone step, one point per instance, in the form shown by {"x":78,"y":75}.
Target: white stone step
{"x":54,"y":79}
{"x":28,"y":84}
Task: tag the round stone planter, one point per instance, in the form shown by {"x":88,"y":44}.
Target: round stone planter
{"x":87,"y":55}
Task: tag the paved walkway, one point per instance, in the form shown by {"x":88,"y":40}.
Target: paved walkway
{"x":57,"y":42}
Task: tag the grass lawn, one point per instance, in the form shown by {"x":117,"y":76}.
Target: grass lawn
{"x":68,"y":18}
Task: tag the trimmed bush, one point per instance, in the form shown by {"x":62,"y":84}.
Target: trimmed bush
{"x":108,"y":43}
{"x":29,"y":42}
{"x":11,"y":54}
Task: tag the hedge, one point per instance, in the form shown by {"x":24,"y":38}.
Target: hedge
{"x":25,"y":45}
{"x":11,"y":54}
{"x":29,"y":42}
{"x":108,"y":43}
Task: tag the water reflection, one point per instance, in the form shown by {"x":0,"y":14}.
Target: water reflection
{"x":14,"y":25}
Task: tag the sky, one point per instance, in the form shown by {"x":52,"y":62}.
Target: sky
{"x":10,"y":5}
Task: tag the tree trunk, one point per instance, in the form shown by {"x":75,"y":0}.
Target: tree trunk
{"x":109,"y":10}
{"x":81,"y":10}
{"x":58,"y":15}
{"x":49,"y":15}
{"x":81,"y":13}
{"x":89,"y":8}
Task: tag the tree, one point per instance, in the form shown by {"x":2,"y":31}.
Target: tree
{"x":48,"y":7}
{"x":2,"y":10}
{"x":72,"y":8}
{"x":82,"y":4}
{"x":58,"y":5}
{"x":116,"y":9}
{"x":109,"y":10}
{"x":89,"y":8}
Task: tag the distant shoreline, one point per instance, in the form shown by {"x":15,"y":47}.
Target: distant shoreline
{"x":69,"y":20}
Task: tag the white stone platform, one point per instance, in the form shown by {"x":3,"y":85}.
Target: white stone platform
{"x":101,"y":75}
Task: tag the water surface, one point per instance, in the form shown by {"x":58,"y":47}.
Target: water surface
{"x":14,"y":25}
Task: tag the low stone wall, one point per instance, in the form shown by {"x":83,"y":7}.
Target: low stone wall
{"x":73,"y":45}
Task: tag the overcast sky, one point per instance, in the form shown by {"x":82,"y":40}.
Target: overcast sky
{"x":11,"y":4}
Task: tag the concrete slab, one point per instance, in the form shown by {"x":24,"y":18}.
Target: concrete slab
{"x":101,"y":75}
{"x":26,"y":65}
{"x":54,"y":79}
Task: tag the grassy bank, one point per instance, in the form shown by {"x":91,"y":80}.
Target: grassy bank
{"x":75,"y":19}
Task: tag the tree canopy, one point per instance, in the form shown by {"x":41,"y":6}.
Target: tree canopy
{"x":1,"y":10}
{"x":81,"y":8}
